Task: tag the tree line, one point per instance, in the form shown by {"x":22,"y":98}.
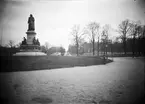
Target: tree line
{"x":130,"y":40}
{"x":50,"y":50}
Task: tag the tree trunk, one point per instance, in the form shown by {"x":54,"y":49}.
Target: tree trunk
{"x":112,"y":49}
{"x":124,"y":45}
{"x":98,"y":46}
{"x":93,"y":47}
{"x":77,"y":48}
{"x":133,"y":46}
{"x":138,"y":46}
{"x":104,"y":48}
{"x":77,"y":45}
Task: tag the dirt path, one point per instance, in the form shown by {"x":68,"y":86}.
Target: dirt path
{"x":121,"y":81}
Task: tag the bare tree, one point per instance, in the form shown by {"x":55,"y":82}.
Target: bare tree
{"x":18,"y":45}
{"x":143,"y":31}
{"x":143,"y":40}
{"x":77,"y":37}
{"x":11,"y":43}
{"x":106,"y":29}
{"x":93,"y":31}
{"x":134,"y":32}
{"x":124,"y":28}
{"x":139,"y":36}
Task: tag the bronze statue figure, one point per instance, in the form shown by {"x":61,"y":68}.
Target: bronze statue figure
{"x":31,"y":25}
{"x":24,"y":42}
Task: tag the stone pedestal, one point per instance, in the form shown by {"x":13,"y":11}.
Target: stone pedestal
{"x":30,"y":37}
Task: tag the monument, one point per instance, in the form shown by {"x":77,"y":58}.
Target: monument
{"x":31,"y":45}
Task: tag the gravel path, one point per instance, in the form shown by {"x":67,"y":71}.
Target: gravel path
{"x":121,"y":81}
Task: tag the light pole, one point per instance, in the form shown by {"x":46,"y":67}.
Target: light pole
{"x":106,"y":50}
{"x":112,"y":49}
{"x":98,"y":45}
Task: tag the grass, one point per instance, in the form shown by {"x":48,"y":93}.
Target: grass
{"x":29,"y":63}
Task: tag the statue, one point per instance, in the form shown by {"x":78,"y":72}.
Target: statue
{"x":24,"y":41}
{"x":31,"y":23}
{"x":34,"y":41}
{"x":38,"y":43}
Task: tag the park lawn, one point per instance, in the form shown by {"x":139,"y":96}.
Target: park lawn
{"x":29,"y":63}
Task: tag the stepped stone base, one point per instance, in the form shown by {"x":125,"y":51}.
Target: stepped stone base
{"x":29,"y":53}
{"x":30,"y":50}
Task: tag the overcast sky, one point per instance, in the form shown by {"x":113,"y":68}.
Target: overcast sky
{"x":55,"y":18}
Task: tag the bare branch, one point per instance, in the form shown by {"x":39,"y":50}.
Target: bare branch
{"x":11,"y":43}
{"x":93,"y":27}
{"x":77,"y":36}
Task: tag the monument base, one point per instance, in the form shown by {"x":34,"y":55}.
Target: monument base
{"x":29,"y":53}
{"x":30,"y":50}
{"x":30,"y":47}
